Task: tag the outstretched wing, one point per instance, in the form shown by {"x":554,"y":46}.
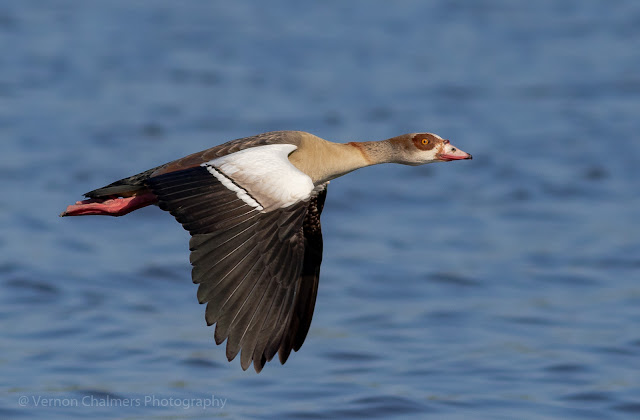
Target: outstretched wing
{"x":256,"y":247}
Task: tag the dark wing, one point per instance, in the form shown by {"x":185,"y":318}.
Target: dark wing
{"x":307,"y":287}
{"x":257,"y":271}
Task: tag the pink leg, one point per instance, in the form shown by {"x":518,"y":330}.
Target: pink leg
{"x":110,"y":206}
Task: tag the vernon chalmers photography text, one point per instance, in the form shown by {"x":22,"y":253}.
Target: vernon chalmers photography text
{"x":108,"y":401}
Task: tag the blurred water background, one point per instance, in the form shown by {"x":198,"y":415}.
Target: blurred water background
{"x":506,"y":287}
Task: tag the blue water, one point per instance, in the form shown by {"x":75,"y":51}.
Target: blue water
{"x":507,"y":287}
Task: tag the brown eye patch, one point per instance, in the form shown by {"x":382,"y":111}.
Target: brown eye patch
{"x":425,"y":141}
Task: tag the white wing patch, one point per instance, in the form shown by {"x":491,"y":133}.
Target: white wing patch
{"x":263,"y":176}
{"x":242,"y":194}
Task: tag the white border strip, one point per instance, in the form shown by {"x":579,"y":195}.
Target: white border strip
{"x":242,"y":194}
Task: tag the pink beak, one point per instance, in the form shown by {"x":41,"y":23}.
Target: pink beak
{"x":450,"y":153}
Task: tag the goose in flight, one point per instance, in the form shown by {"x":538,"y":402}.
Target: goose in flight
{"x":252,"y":207}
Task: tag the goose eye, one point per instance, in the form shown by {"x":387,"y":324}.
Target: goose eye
{"x":425,"y":141}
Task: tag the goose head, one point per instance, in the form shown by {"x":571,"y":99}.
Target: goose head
{"x":421,"y":148}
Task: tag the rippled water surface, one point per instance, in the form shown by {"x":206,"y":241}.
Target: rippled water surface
{"x":507,"y":287}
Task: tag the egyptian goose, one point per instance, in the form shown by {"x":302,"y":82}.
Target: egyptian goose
{"x":252,"y":207}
